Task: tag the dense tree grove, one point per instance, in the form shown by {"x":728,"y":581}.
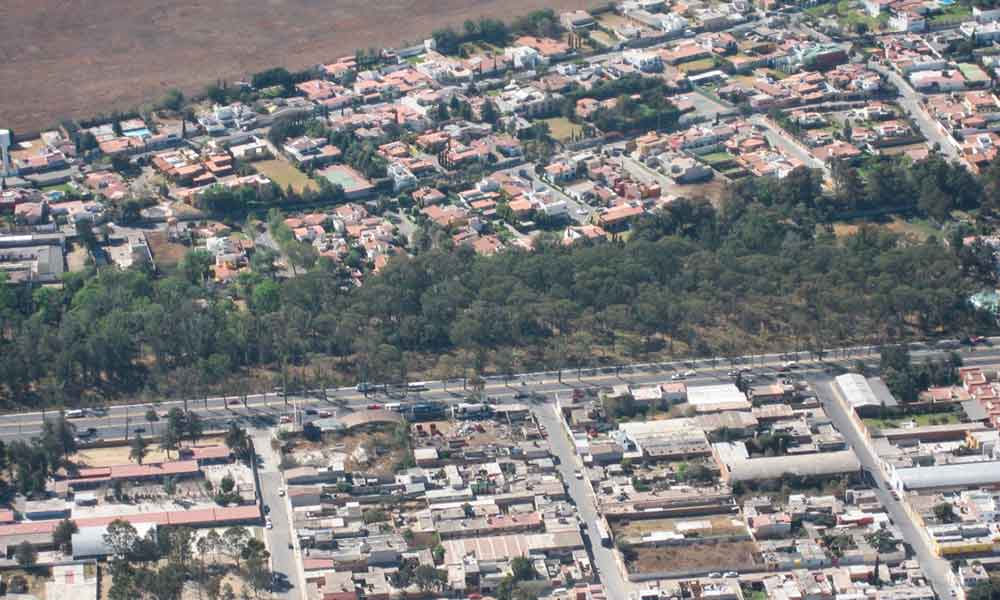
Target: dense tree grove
{"x":756,"y":274}
{"x":159,"y":565}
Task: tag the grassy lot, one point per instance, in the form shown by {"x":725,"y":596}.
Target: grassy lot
{"x":65,"y":188}
{"x":562,"y":129}
{"x":920,"y":229}
{"x":956,"y":13}
{"x":166,"y":254}
{"x":284,"y":174}
{"x":847,"y":12}
{"x":946,"y":418}
{"x":714,"y":158}
{"x":697,"y":66}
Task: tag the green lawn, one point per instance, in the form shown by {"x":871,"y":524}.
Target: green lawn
{"x":562,"y":129}
{"x":848,"y":12}
{"x":697,"y":66}
{"x":956,"y":13}
{"x":716,"y":157}
{"x":920,"y":420}
{"x":284,"y":174}
{"x":65,"y":188}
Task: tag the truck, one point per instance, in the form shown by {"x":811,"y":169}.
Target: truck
{"x":602,"y":533}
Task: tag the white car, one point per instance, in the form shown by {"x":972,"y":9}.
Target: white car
{"x":281,"y":492}
{"x":677,"y":376}
{"x":268,"y":524}
{"x":578,"y":474}
{"x":690,"y":373}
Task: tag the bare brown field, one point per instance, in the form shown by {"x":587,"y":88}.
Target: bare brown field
{"x":83,"y":57}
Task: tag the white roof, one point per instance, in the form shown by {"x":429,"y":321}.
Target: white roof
{"x":857,"y":391}
{"x":708,"y":395}
{"x":828,"y":463}
{"x":943,"y":476}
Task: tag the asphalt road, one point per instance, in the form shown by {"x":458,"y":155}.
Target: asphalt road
{"x":935,"y":569}
{"x":912,"y":102}
{"x":264,"y":409}
{"x":581,"y":492}
{"x":782,"y":141}
{"x":283,"y":558}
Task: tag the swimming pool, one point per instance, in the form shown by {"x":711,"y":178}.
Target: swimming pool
{"x":137,"y":132}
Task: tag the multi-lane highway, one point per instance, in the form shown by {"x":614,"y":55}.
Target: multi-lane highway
{"x":262,"y":409}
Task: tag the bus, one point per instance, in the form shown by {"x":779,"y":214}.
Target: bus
{"x":602,"y":533}
{"x":76,"y":413}
{"x":417,"y":386}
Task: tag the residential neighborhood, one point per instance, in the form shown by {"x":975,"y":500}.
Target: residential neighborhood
{"x":639,"y":301}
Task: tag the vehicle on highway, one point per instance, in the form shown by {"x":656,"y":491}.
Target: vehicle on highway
{"x":75,"y":414}
{"x":232,"y":402}
{"x":324,"y":414}
{"x":138,"y":430}
{"x":281,"y":492}
{"x":310,"y":411}
{"x":87,"y":433}
{"x":602,"y":534}
{"x":677,"y":376}
{"x":364,"y":388}
{"x":690,"y":373}
{"x":417,"y":386}
{"x":99,"y":411}
{"x":268,"y":524}
{"x":285,"y":419}
{"x":791,"y":364}
{"x":374,"y":407}
{"x":578,"y":474}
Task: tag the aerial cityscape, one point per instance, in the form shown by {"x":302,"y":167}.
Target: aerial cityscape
{"x":648,"y":300}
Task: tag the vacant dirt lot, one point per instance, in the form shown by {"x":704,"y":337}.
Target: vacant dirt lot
{"x":84,"y":57}
{"x":722,"y":556}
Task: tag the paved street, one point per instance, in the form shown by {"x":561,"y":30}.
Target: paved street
{"x":935,"y":569}
{"x":582,"y":494}
{"x":781,"y":140}
{"x":283,"y":558}
{"x":263,"y":409}
{"x":910,"y":100}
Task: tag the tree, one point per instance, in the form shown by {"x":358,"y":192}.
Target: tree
{"x":428,"y":578}
{"x":239,"y":442}
{"x":152,"y":417}
{"x":137,"y":449}
{"x":63,"y":535}
{"x":194,"y":426}
{"x":521,"y":569}
{"x":26,"y":555}
{"x":121,"y":537}
{"x":233,"y":541}
{"x":945,"y":513}
{"x":169,"y":440}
